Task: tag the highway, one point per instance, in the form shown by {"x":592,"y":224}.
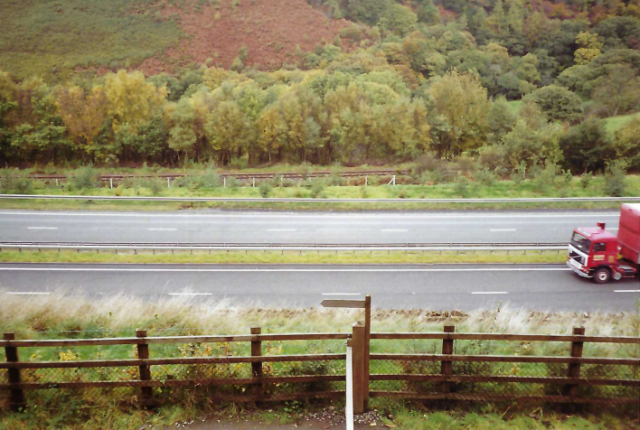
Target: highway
{"x":437,"y":287}
{"x":217,"y":226}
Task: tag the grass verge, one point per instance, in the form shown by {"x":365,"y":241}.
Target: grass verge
{"x":285,"y":257}
{"x":59,"y":316}
{"x":313,"y":196}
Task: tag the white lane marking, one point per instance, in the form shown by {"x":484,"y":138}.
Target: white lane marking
{"x":626,"y":291}
{"x":612,"y":229}
{"x":502,"y":229}
{"x":273,"y":230}
{"x":341,"y":294}
{"x":27,"y":293}
{"x":394,"y":230}
{"x":368,"y":270}
{"x":162,"y":229}
{"x":190,"y":294}
{"x":42,"y":228}
{"x":324,"y":216}
{"x":489,"y":292}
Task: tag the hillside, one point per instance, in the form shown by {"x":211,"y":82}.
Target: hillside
{"x":270,"y":30}
{"x":56,"y":37}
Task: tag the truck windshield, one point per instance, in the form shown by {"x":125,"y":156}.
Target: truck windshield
{"x":581,"y":242}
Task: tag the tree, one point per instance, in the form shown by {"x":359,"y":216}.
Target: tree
{"x":226,"y":130}
{"x":627,"y":143}
{"x":619,"y":91}
{"x":463,"y":103}
{"x":500,"y":120}
{"x":498,"y":20}
{"x":532,"y":147}
{"x":399,"y":19}
{"x":590,"y":47}
{"x":428,"y":13}
{"x":131,"y":99}
{"x":620,"y":32}
{"x":587,"y":146}
{"x":558,"y":103}
{"x":83,"y":114}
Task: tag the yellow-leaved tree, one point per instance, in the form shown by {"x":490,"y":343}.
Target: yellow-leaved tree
{"x":131,"y":99}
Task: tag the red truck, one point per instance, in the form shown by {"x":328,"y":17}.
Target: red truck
{"x":599,"y":254}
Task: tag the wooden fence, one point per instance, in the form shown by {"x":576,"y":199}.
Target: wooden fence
{"x":412,"y":376}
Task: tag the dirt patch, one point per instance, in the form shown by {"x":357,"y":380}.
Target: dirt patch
{"x":270,"y":30}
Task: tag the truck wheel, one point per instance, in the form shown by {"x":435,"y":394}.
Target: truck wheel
{"x":602,"y":276}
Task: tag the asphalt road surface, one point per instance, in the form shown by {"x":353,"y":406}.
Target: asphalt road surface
{"x":295,"y":227}
{"x":440,"y":287}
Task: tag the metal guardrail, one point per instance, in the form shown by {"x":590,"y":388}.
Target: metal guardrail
{"x":311,"y":200}
{"x":434,"y":247}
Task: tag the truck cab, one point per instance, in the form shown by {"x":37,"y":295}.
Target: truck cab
{"x":600,"y":255}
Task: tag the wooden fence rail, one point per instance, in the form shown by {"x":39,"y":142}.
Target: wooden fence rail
{"x":448,"y":380}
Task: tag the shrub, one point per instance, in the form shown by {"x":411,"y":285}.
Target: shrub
{"x":484,"y":176}
{"x":232,"y":183}
{"x":614,"y":178}
{"x":585,"y":179}
{"x":265,"y":189}
{"x":209,"y":179}
{"x":238,"y":163}
{"x":16,"y":185}
{"x":85,"y":178}
{"x":317,"y":187}
{"x":304,"y":170}
{"x":432,"y":177}
{"x":546,"y":176}
{"x":426,"y":162}
{"x":336,"y":180}
{"x":155,"y":185}
{"x":461,"y":188}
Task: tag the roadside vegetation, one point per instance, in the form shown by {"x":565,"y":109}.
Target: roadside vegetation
{"x":285,"y":257}
{"x":59,"y":316}
{"x":429,"y":178}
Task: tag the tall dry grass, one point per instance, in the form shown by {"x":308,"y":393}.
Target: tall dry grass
{"x":58,"y":313}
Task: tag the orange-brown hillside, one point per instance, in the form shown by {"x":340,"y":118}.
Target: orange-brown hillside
{"x":270,"y":29}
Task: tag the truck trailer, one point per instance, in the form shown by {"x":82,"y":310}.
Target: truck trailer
{"x":601,"y":255}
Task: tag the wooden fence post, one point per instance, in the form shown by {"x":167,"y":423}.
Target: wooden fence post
{"x":446,"y":366}
{"x":256,"y":367}
{"x":574,"y":368}
{"x":358,"y":341}
{"x":367,"y":346}
{"x":145,"y":370}
{"x":17,"y":396}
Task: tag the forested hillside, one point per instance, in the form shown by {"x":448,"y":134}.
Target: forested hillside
{"x":513,"y":85}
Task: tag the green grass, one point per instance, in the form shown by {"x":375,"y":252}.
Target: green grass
{"x":499,"y":189}
{"x":286,"y":257}
{"x":59,"y":316}
{"x":54,"y":37}
{"x":615,"y":122}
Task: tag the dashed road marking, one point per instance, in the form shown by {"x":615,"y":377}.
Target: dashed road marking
{"x":495,"y":230}
{"x":162,"y":229}
{"x":341,"y":294}
{"x":27,"y":293}
{"x":488,"y":292}
{"x":190,"y":294}
{"x":42,"y":228}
